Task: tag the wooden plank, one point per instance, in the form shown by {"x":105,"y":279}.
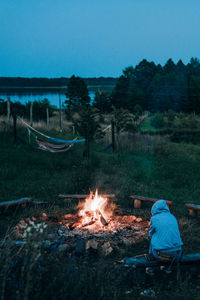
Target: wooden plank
{"x":193,"y":206}
{"x":76,"y":196}
{"x":20,"y":201}
{"x":142,"y":198}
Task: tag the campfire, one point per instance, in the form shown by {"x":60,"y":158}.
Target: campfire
{"x":95,"y":223}
{"x":94,"y":210}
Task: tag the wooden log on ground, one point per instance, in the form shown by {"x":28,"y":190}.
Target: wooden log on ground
{"x":136,"y":268}
{"x":20,"y":201}
{"x":143,"y":262}
{"x":21,"y":243}
{"x":193,"y":209}
{"x":138,"y":200}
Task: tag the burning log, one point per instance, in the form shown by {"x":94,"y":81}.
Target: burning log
{"x":101,"y":218}
{"x":88,"y":223}
{"x":89,"y":218}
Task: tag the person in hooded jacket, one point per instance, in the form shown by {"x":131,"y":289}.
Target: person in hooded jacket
{"x":164,"y":232}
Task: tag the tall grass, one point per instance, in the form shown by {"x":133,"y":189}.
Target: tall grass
{"x":144,"y":165}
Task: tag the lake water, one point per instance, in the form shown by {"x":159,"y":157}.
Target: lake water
{"x":24,"y":97}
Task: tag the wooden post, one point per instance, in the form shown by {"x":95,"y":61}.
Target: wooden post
{"x":137,"y":203}
{"x":47,"y":117}
{"x":113,"y":135}
{"x":31,"y":114}
{"x":15,"y":127}
{"x":192,"y":212}
{"x":60,"y":112}
{"x":8,"y":108}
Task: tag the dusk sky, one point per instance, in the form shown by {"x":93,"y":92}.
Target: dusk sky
{"x":92,"y":38}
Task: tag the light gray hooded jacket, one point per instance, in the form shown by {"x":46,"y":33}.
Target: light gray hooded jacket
{"x":164,"y":231}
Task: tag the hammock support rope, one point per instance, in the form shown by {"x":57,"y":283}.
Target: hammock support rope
{"x":51,"y":138}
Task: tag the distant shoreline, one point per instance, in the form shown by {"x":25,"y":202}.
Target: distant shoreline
{"x":5,"y":89}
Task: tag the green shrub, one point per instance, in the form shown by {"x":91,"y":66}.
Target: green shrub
{"x":158,"y":121}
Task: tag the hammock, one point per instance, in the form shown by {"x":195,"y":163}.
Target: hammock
{"x":51,"y":138}
{"x":52,"y":148}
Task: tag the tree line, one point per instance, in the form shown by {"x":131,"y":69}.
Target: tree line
{"x":51,"y":82}
{"x":159,"y":88}
{"x":145,"y":87}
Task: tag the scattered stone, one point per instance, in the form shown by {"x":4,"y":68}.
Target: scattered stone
{"x":127,"y":242}
{"x":106,"y":249}
{"x":138,"y":220}
{"x":128,"y":219}
{"x":91,"y":244}
{"x":128,"y":292}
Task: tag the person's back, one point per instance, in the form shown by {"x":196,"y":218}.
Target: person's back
{"x":164,"y":231}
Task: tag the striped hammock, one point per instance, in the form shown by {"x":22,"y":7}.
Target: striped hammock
{"x":51,"y":147}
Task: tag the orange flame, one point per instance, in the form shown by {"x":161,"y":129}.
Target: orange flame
{"x":93,"y":208}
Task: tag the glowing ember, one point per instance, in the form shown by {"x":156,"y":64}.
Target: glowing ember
{"x":94,"y":210}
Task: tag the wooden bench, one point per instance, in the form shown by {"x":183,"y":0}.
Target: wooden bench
{"x":81,"y":196}
{"x":138,"y":200}
{"x":143,"y":262}
{"x":21,"y":201}
{"x":136,"y":267}
{"x":193,"y":208}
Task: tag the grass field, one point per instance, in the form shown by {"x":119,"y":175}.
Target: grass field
{"x":143,"y":165}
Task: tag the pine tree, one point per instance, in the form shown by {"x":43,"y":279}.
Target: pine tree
{"x":77,"y":93}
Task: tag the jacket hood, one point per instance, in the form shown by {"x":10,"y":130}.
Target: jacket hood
{"x":159,"y":207}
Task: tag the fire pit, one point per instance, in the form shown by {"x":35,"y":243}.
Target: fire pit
{"x":95,"y":225}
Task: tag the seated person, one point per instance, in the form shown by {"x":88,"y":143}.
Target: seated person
{"x":164,"y":233}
